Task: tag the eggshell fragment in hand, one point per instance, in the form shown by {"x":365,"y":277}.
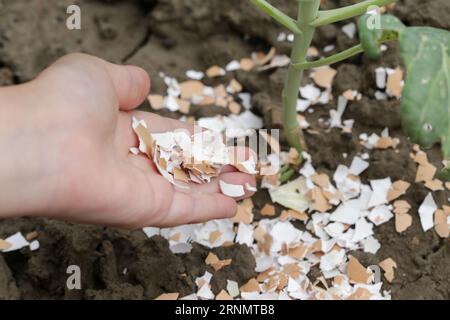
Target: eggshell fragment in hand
{"x":182,"y":158}
{"x":231,"y":190}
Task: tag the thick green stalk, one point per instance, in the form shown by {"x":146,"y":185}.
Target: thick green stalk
{"x":307,"y":12}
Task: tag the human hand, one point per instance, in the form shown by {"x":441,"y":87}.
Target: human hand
{"x":68,"y":133}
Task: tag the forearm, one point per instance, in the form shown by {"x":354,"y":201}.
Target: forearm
{"x":25,"y":179}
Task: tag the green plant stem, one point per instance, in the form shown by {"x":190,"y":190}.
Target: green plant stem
{"x":307,"y":12}
{"x":285,"y":176}
{"x":284,"y":169}
{"x":338,"y":57}
{"x":279,"y":16}
{"x":332,"y":59}
{"x":353,"y":51}
{"x":335,"y":15}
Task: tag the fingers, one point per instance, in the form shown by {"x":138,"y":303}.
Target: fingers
{"x":198,"y":207}
{"x":157,"y":123}
{"x":125,"y":135}
{"x":132,"y":84}
{"x":228,"y":168}
{"x":235,"y":178}
{"x":172,"y":206}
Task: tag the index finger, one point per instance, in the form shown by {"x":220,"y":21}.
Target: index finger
{"x":157,"y":123}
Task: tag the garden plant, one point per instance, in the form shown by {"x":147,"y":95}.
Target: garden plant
{"x":425,"y":104}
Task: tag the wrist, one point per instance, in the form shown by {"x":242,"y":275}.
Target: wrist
{"x":27,"y":167}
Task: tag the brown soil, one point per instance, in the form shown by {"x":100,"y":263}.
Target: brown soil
{"x":174,"y":36}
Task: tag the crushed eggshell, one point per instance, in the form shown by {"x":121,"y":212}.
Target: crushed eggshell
{"x":231,"y":190}
{"x":205,"y":292}
{"x":434,"y":185}
{"x":401,"y":206}
{"x":312,"y":52}
{"x":244,"y":212}
{"x":363,"y":229}
{"x":380,"y":77}
{"x":388,"y":266}
{"x":360,"y":294}
{"x":395,"y":83}
{"x":234,"y":86}
{"x":292,"y":214}
{"x":223,"y":295}
{"x":195,"y":75}
{"x":251,"y":286}
{"x":278,"y":61}
{"x":168,"y":296}
{"x":214,"y":236}
{"x":191,"y":88}
{"x":386,"y":143}
{"x":332,"y":260}
{"x":268,"y":210}
{"x":351,"y":95}
{"x":425,"y":172}
{"x":250,"y":188}
{"x":323,"y":76}
{"x":319,"y":201}
{"x":215,"y":262}
{"x":356,"y":272}
{"x":398,"y":189}
{"x":4,"y":245}
{"x":358,"y":166}
{"x":234,"y":107}
{"x":15,"y":242}
{"x":183,"y":158}
{"x":350,"y":30}
{"x":134,"y":151}
{"x":402,"y":222}
{"x":247,"y":64}
{"x":441,"y":223}
{"x":34,"y":245}
{"x":233,"y":65}
{"x":156,"y":101}
{"x":233,"y":288}
{"x":261,"y":58}
{"x":215,"y":71}
{"x":426,"y":212}
{"x":184,"y":106}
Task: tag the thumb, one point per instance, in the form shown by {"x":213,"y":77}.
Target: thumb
{"x":132,"y":84}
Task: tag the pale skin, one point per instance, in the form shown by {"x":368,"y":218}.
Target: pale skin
{"x":65,"y":140}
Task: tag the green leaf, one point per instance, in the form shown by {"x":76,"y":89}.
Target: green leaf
{"x":425,"y":105}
